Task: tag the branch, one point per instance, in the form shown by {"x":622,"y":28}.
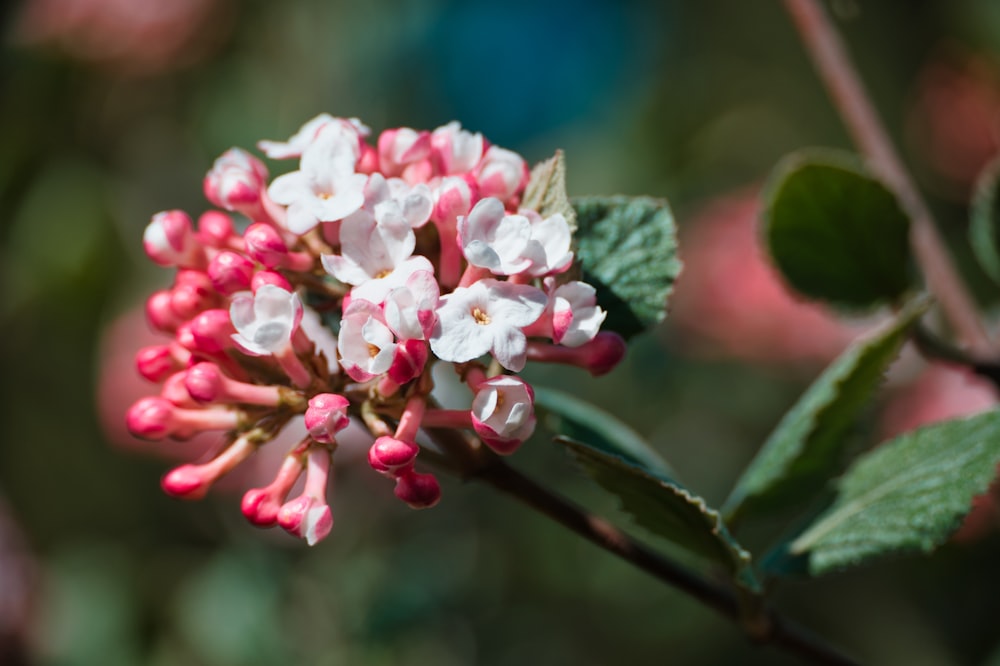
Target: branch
{"x":845,"y":87}
{"x":771,"y":628}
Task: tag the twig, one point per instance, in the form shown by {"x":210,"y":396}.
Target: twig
{"x":844,"y":85}
{"x":771,"y":628}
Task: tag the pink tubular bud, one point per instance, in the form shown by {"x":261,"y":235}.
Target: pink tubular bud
{"x":215,"y":229}
{"x":599,"y":356}
{"x":169,"y":240}
{"x":264,"y":244}
{"x":392,"y":456}
{"x":192,"y":292}
{"x":156,"y":363}
{"x":260,"y":278}
{"x":212,"y":331}
{"x":176,"y":392}
{"x":368,"y":162}
{"x":154,"y":417}
{"x":205,"y":382}
{"x":420,"y":491}
{"x":193,"y":481}
{"x":261,"y":505}
{"x":326,"y":416}
{"x":308,"y":516}
{"x":159,"y":314}
{"x":230,"y":272}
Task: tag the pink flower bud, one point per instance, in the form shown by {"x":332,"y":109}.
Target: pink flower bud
{"x":159,"y":314}
{"x":502,"y":174}
{"x":176,"y":392}
{"x":156,"y":363}
{"x":326,"y":416}
{"x":205,"y":382}
{"x":420,"y":491}
{"x":599,"y":356}
{"x":193,"y":481}
{"x":235,"y":182}
{"x":212,"y":331}
{"x":261,"y":505}
{"x":192,"y":293}
{"x":455,"y":198}
{"x":260,"y":278}
{"x":215,"y":229}
{"x":368,"y":162}
{"x":169,"y":239}
{"x":154,"y":417}
{"x":264,"y":244}
{"x":308,"y":515}
{"x":230,"y":272}
{"x":392,"y":456}
{"x":402,"y":146}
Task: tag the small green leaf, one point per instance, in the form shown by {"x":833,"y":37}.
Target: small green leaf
{"x":907,"y":496}
{"x":835,"y":232}
{"x":546,"y":190}
{"x":985,"y":219}
{"x":667,"y":509}
{"x":627,"y":247}
{"x":583,"y":421}
{"x":808,"y":444}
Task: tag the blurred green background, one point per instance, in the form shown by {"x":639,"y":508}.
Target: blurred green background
{"x":112,"y":110}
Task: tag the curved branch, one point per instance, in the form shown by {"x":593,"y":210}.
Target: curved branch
{"x":848,"y":93}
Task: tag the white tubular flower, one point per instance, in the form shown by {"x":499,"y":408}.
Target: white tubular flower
{"x":365,"y":343}
{"x":456,"y":150}
{"x":493,"y":240}
{"x":265,"y":321}
{"x":302,"y":139}
{"x":325,"y":188}
{"x":485,"y":317}
{"x":576,"y":318}
{"x":503,"y":413}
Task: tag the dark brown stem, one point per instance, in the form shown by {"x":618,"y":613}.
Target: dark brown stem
{"x":844,"y":85}
{"x":770,"y":628}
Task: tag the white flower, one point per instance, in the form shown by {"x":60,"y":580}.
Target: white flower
{"x":302,"y":139}
{"x":325,"y":188}
{"x":409,"y":310}
{"x":549,"y":247}
{"x":503,"y":412}
{"x":366,"y":344}
{"x":576,"y":318}
{"x":265,"y":321}
{"x":496,"y":241}
{"x":487,"y":317}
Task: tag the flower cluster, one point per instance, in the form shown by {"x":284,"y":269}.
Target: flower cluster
{"x":411,"y":250}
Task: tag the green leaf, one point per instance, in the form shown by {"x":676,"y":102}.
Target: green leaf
{"x":808,"y":445}
{"x":546,"y":190}
{"x":835,"y":232}
{"x":583,"y":421}
{"x":907,"y":496}
{"x":985,"y":218}
{"x":627,"y":247}
{"x":667,"y":509}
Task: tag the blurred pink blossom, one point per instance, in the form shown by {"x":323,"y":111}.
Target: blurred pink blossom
{"x":127,"y":36}
{"x":954,"y":121}
{"x":729,"y":301}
